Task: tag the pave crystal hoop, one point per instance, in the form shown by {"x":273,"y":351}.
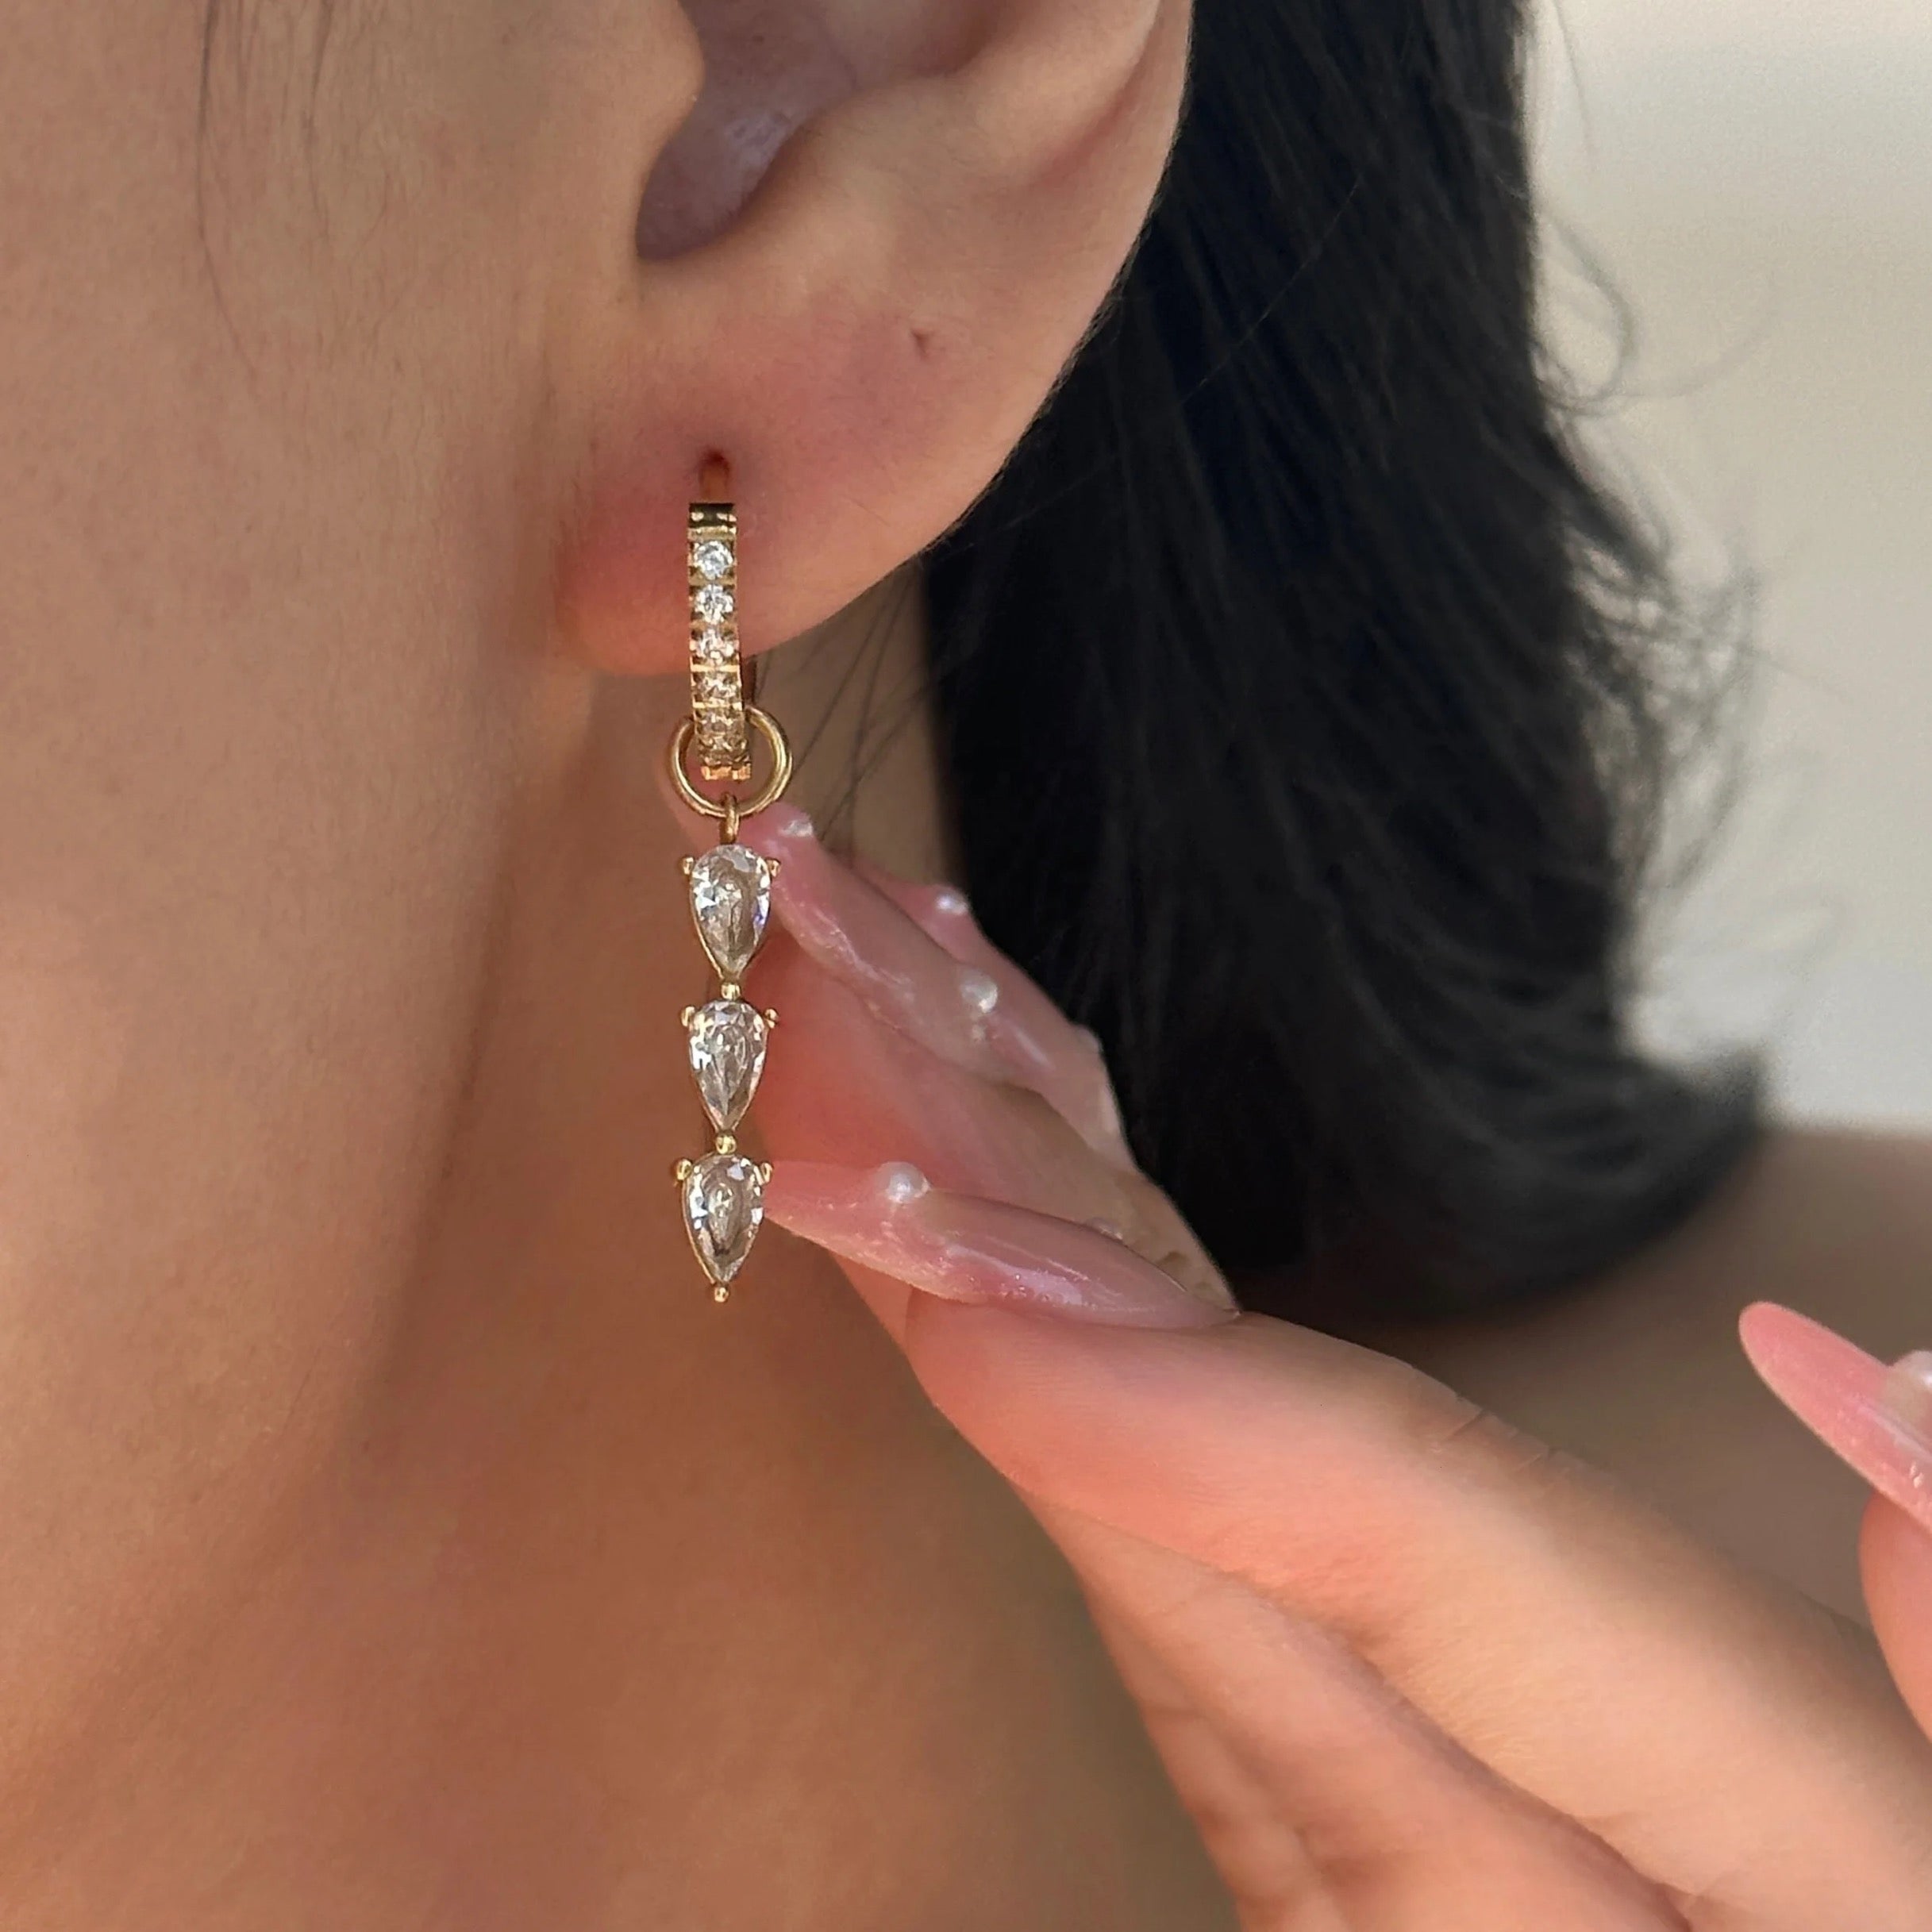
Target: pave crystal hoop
{"x":722,"y":1192}
{"x":717,"y":692}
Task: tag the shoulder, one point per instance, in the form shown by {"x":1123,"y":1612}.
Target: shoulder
{"x":1838,"y":1222}
{"x":1640,"y":1371}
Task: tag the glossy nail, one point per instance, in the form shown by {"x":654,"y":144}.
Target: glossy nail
{"x":932,"y":974}
{"x":1045,"y":1050}
{"x":1877,"y":1417}
{"x":964,"y":1248}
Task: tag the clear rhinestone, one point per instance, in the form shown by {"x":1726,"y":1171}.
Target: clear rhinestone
{"x":715,"y":603}
{"x":713,"y":646}
{"x":730,"y":903}
{"x":724,"y":1203}
{"x":727,"y":1056}
{"x":711,"y":559}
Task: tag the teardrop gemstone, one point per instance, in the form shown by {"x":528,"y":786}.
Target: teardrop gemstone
{"x":724,"y":1204}
{"x":727,"y":1058}
{"x":730,"y":904}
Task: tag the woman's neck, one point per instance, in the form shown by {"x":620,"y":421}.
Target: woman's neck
{"x":555,"y":1208}
{"x":581,"y":1602}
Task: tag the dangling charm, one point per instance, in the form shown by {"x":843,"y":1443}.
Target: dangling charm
{"x":722,"y":1194}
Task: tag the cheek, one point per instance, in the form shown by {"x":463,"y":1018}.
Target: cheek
{"x":260,"y":615}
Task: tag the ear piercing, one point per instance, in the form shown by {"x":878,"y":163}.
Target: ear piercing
{"x":722,"y":1192}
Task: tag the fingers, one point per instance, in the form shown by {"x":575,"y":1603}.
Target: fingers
{"x":1256,"y":1844}
{"x":1571,"y":1655}
{"x":1895,"y":1557}
{"x":1879,"y":1420}
{"x":896,"y":1051}
{"x":849,"y":1091}
{"x":945,"y":915}
{"x":965,"y":1248}
{"x":1325,"y":1797}
{"x":1321,"y":1739}
{"x":1592,"y":1658}
{"x":935,"y":978}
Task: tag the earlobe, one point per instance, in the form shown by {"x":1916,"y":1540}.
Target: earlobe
{"x":866,"y":339}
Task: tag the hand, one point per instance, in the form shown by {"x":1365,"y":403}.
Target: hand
{"x":1409,"y":1671}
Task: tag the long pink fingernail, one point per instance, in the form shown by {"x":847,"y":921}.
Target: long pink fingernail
{"x":1878,"y":1417}
{"x":964,"y":1248}
{"x":964,"y":1003}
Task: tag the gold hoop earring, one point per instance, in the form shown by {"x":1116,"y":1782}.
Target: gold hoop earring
{"x":722,"y":1192}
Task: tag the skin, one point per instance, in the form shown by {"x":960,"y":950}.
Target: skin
{"x":1639,"y":1373}
{"x":1642,"y":1374}
{"x":1411,"y":1670}
{"x":397,"y":1540}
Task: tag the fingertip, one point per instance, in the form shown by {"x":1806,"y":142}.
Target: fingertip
{"x":1757,"y":1321}
{"x":777,"y":825}
{"x":1894,"y":1563}
{"x":1811,"y":1368}
{"x":942,"y":912}
{"x":1046,"y":1401}
{"x":1876,"y":1417}
{"x":1770,"y":1329}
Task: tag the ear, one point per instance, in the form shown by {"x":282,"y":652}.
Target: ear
{"x":865,"y":338}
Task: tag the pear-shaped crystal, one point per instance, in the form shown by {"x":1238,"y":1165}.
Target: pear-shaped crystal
{"x":727,"y":1055}
{"x":724,"y":1203}
{"x":730,"y":901}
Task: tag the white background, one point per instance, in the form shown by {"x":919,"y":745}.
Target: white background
{"x":1756,"y":176}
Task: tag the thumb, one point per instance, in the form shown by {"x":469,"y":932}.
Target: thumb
{"x":1895,"y":1554}
{"x":1879,"y":1419}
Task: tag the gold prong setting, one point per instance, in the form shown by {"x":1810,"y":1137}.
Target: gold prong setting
{"x":717,"y":671}
{"x":722,"y":1193}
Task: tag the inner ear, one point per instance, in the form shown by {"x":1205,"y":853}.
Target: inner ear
{"x":770,"y":66}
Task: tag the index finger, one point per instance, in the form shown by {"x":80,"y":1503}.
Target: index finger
{"x":1717,"y":1735}
{"x":889,"y":946}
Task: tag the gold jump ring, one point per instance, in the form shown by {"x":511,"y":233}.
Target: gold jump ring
{"x":730,"y":808}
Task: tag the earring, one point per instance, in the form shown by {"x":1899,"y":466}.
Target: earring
{"x":722,"y":1192}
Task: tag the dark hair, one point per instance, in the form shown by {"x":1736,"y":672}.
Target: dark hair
{"x":1307,"y":705}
